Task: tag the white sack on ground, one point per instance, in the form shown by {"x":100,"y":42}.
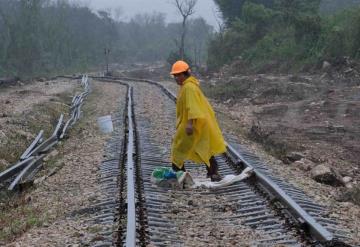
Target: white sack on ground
{"x":227,"y":180}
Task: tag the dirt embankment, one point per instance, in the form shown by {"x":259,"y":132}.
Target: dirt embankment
{"x":316,"y":117}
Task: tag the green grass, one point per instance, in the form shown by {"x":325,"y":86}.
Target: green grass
{"x":12,"y":149}
{"x":17,"y":216}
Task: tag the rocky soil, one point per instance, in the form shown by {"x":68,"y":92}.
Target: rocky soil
{"x":50,"y":213}
{"x":293,"y":122}
{"x":305,"y":121}
{"x":300,"y":125}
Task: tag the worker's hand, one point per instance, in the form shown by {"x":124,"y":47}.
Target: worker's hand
{"x":189,"y":129}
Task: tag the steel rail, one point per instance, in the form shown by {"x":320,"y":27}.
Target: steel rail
{"x":26,"y":171}
{"x":38,"y":139}
{"x":31,"y":155}
{"x":47,"y":144}
{"x":131,"y":223}
{"x":8,"y":173}
{"x":76,"y":104}
{"x":72,"y":119}
{"x":316,"y":230}
{"x":131,"y":213}
{"x":67,"y":77}
{"x":79,"y":111}
{"x":31,"y":158}
{"x":43,"y":146}
{"x":65,"y":128}
{"x":135,"y":219}
{"x":165,"y":90}
{"x":58,"y":126}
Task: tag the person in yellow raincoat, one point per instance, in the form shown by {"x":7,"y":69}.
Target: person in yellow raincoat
{"x":198,"y":137}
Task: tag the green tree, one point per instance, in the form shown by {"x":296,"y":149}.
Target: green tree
{"x":233,"y":9}
{"x":23,"y":52}
{"x":259,"y":19}
{"x":54,"y":36}
{"x":303,"y":16}
{"x":260,"y":31}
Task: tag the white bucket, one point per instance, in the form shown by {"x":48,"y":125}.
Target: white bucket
{"x":105,"y":124}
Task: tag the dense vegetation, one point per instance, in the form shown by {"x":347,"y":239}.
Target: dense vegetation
{"x":286,"y":34}
{"x":40,"y":37}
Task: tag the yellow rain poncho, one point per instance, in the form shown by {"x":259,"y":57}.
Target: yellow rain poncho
{"x":206,"y":140}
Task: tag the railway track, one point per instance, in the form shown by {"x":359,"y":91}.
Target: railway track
{"x":261,"y":211}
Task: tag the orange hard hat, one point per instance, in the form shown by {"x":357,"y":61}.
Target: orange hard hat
{"x":179,"y":67}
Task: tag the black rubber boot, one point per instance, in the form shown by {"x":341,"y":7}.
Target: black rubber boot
{"x":213,"y":172}
{"x":176,"y":169}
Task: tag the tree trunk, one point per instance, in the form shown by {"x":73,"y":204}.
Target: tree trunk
{"x":182,"y":42}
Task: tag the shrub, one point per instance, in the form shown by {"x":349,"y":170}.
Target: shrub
{"x":290,"y":35}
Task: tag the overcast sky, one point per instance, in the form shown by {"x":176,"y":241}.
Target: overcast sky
{"x":204,"y":8}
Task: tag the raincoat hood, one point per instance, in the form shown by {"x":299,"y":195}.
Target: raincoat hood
{"x":193,"y":80}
